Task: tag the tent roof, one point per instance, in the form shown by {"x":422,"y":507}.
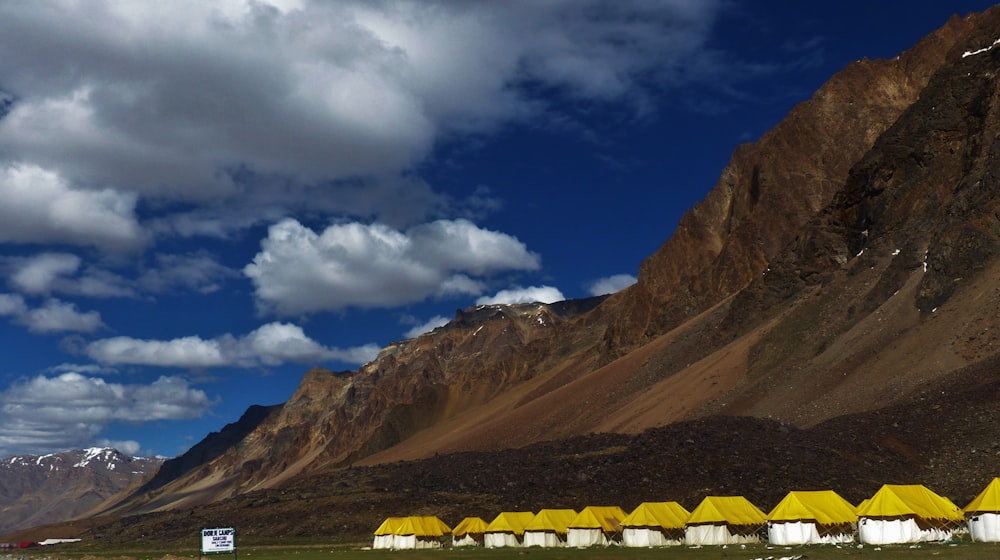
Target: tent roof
{"x":389,"y":526}
{"x":474,"y":525}
{"x":556,"y":520}
{"x":822,"y":506}
{"x":668,"y":515}
{"x":895,"y":500}
{"x":510,"y":522}
{"x":606,"y":518}
{"x":733,"y":510}
{"x":423,"y":526}
{"x":988,"y":500}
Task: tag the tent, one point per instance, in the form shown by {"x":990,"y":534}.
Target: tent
{"x":507,"y":529}
{"x":724,"y":520}
{"x":468,"y":532}
{"x":596,"y":525}
{"x":983,"y":514}
{"x":548,"y":528}
{"x":655,"y":524}
{"x":812,"y":517}
{"x":386,"y":532}
{"x":907,"y":513}
{"x":411,"y":532}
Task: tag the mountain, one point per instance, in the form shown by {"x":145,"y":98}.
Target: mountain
{"x":45,"y":488}
{"x":829,"y":316}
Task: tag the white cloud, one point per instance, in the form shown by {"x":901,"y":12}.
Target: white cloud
{"x":12,"y":305}
{"x":355,"y":265}
{"x":40,"y":206}
{"x":427,"y":326}
{"x":172,"y":102}
{"x":68,"y":411}
{"x":188,"y":352}
{"x":129,"y":447}
{"x":65,"y":273}
{"x":271,"y":344}
{"x":611,"y":284}
{"x":532,"y":294}
{"x":36,"y":275}
{"x":276,"y":343}
{"x":53,"y":316}
{"x":198,"y":272}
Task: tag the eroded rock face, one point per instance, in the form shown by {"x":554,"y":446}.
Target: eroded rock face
{"x":772,"y":188}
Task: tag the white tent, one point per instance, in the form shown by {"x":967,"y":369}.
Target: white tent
{"x":596,"y":526}
{"x":983,"y":514}
{"x":812,"y":517}
{"x":469,"y":532}
{"x":385,"y":535}
{"x":721,"y":520}
{"x":548,"y":528}
{"x":420,"y":532}
{"x":907,"y":513}
{"x":507,"y":529}
{"x":655,"y":524}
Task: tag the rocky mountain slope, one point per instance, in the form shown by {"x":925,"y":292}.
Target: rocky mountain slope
{"x":829,"y":316}
{"x":37,"y":488}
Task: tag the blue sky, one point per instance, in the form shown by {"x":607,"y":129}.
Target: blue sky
{"x":199,"y":201}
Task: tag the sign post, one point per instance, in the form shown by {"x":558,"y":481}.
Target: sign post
{"x":218,"y":541}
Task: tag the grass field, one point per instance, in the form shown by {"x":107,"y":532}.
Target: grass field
{"x":317,"y":551}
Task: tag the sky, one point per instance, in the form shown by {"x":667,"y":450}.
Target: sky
{"x":200,"y":201}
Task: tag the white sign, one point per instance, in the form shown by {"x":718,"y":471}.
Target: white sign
{"x":218,"y":540}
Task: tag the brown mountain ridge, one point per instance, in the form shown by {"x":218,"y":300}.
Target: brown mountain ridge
{"x":829,"y":316}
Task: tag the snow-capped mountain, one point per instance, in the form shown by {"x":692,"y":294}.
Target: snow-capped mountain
{"x":42,"y":489}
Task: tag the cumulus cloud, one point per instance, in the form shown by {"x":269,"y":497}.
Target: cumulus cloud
{"x":234,"y":107}
{"x":532,"y":294}
{"x":63,"y":273}
{"x":12,"y":305}
{"x":427,"y":326}
{"x":45,"y":274}
{"x":356,"y":265}
{"x":37,"y":274}
{"x":188,"y":352}
{"x":197,"y":272}
{"x":40,"y":206}
{"x":69,"y":410}
{"x":52,"y":317}
{"x":269,"y":345}
{"x":59,"y":316}
{"x":611,"y":284}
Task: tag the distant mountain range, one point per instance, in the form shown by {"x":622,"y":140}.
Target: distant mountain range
{"x":39,"y":489}
{"x":829,"y":316}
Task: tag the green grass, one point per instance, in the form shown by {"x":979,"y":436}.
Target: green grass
{"x":312,"y":550}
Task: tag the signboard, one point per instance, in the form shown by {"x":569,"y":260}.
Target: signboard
{"x":218,"y":540}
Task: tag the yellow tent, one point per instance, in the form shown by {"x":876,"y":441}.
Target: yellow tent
{"x":724,"y":520}
{"x":548,"y":528}
{"x":420,"y":532}
{"x":907,"y":513}
{"x":655,"y":524}
{"x":468,"y":532}
{"x":988,"y":500}
{"x":596,"y":525}
{"x":812,"y":517}
{"x":386,"y":532}
{"x":507,"y":529}
{"x":983,"y":514}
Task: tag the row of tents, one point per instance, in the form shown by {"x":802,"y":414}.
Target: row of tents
{"x":896,"y":514}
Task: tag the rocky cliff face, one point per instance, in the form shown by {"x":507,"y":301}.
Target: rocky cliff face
{"x":844,"y":263}
{"x":772,"y":188}
{"x":60,"y":486}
